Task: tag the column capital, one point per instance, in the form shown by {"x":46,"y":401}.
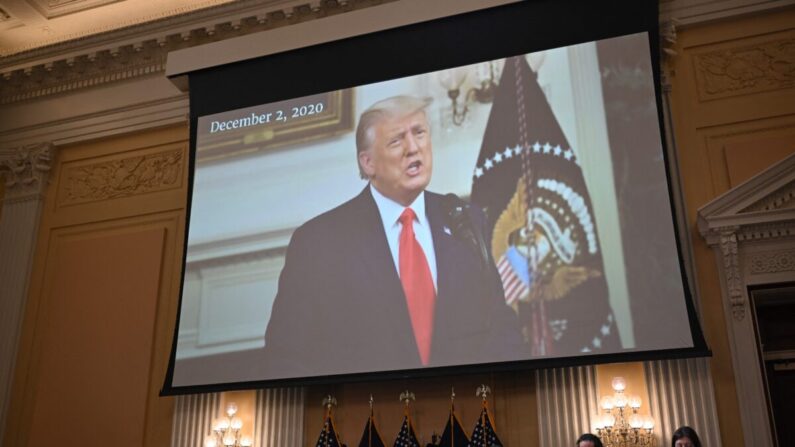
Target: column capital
{"x":25,"y":169}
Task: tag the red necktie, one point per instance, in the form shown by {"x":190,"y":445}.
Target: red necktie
{"x":417,"y":284}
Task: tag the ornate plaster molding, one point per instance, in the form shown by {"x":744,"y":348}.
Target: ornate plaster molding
{"x":731,"y":271}
{"x":667,"y":52}
{"x":26,"y":170}
{"x":776,"y":261}
{"x":746,"y":69}
{"x":141,"y":50}
{"x":122,"y":177}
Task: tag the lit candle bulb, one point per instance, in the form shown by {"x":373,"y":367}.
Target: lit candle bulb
{"x":619,"y":384}
{"x":635,"y":402}
{"x":231,"y":409}
{"x":236,"y":424}
{"x":246,"y":442}
{"x":620,"y":400}
{"x":210,"y":441}
{"x":606,"y":403}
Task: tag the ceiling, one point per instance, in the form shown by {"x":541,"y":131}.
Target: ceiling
{"x":29,"y":24}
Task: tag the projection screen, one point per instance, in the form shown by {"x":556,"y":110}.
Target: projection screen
{"x":543,"y":218}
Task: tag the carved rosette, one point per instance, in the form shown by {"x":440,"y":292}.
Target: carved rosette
{"x":26,"y":170}
{"x":772,"y":262}
{"x":731,"y":270}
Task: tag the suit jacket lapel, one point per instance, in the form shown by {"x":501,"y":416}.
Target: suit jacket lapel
{"x":373,"y":252}
{"x":446,"y":248}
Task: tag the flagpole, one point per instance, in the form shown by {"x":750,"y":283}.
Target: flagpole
{"x":328,"y":402}
{"x":483,"y":392}
{"x":452,"y":409}
{"x":370,"y":425}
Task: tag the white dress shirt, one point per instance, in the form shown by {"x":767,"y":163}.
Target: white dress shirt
{"x":390,"y":216}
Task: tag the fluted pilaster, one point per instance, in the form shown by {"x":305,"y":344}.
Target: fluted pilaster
{"x":681,"y":393}
{"x":193,"y":418}
{"x":279,"y":420}
{"x":567,"y":397}
{"x":25,"y":171}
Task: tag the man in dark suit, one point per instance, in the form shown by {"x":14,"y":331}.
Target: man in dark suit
{"x":384,"y":282}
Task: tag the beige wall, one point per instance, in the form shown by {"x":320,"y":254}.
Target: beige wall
{"x":102,"y":303}
{"x":734,"y":114}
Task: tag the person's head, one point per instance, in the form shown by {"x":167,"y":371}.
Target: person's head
{"x":589,"y":440}
{"x":685,"y":437}
{"x":393,"y":147}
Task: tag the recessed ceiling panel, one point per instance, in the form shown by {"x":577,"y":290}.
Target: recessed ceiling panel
{"x":56,"y":8}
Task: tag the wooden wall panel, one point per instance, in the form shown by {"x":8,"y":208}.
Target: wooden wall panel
{"x":733,"y":102}
{"x":97,"y":334}
{"x":99,"y":320}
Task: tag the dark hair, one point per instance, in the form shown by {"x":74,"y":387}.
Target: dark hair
{"x":686,"y":432}
{"x":589,"y":437}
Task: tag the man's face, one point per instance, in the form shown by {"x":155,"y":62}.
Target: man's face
{"x":684,"y":442}
{"x":585,"y":444}
{"x":399,"y":162}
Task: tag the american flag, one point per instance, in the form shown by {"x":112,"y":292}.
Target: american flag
{"x":328,"y":436}
{"x":483,"y":435}
{"x":514,"y":274}
{"x":406,"y":437}
{"x":371,"y":437}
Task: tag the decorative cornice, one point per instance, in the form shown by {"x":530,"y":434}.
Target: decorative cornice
{"x":781,"y":199}
{"x":746,"y":69}
{"x":25,"y":77}
{"x":26,"y":170}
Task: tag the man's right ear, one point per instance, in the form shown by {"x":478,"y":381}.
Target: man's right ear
{"x":366,"y":163}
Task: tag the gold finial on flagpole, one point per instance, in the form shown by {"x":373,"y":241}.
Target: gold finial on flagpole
{"x":406,"y":397}
{"x":328,"y":402}
{"x":452,"y":394}
{"x":371,"y":403}
{"x":483,"y":391}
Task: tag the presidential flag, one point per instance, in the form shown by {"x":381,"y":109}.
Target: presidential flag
{"x":371,"y":437}
{"x":453,"y":434}
{"x":483,"y":435}
{"x":328,"y":435}
{"x":541,"y":224}
{"x":406,"y":437}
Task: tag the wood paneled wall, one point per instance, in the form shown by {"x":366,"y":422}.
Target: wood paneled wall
{"x":733,"y":102}
{"x":99,"y":319}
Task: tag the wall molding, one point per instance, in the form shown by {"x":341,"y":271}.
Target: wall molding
{"x":754,"y":244}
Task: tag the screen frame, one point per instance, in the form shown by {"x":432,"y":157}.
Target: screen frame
{"x":462,"y":39}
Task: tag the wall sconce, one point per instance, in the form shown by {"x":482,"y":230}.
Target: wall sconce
{"x":483,"y":93}
{"x":226,"y":431}
{"x":621,"y":425}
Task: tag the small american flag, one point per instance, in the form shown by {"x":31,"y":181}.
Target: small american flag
{"x":483,"y":435}
{"x":328,"y":436}
{"x":406,"y":437}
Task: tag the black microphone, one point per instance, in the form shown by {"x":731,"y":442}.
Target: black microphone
{"x":457,"y":212}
